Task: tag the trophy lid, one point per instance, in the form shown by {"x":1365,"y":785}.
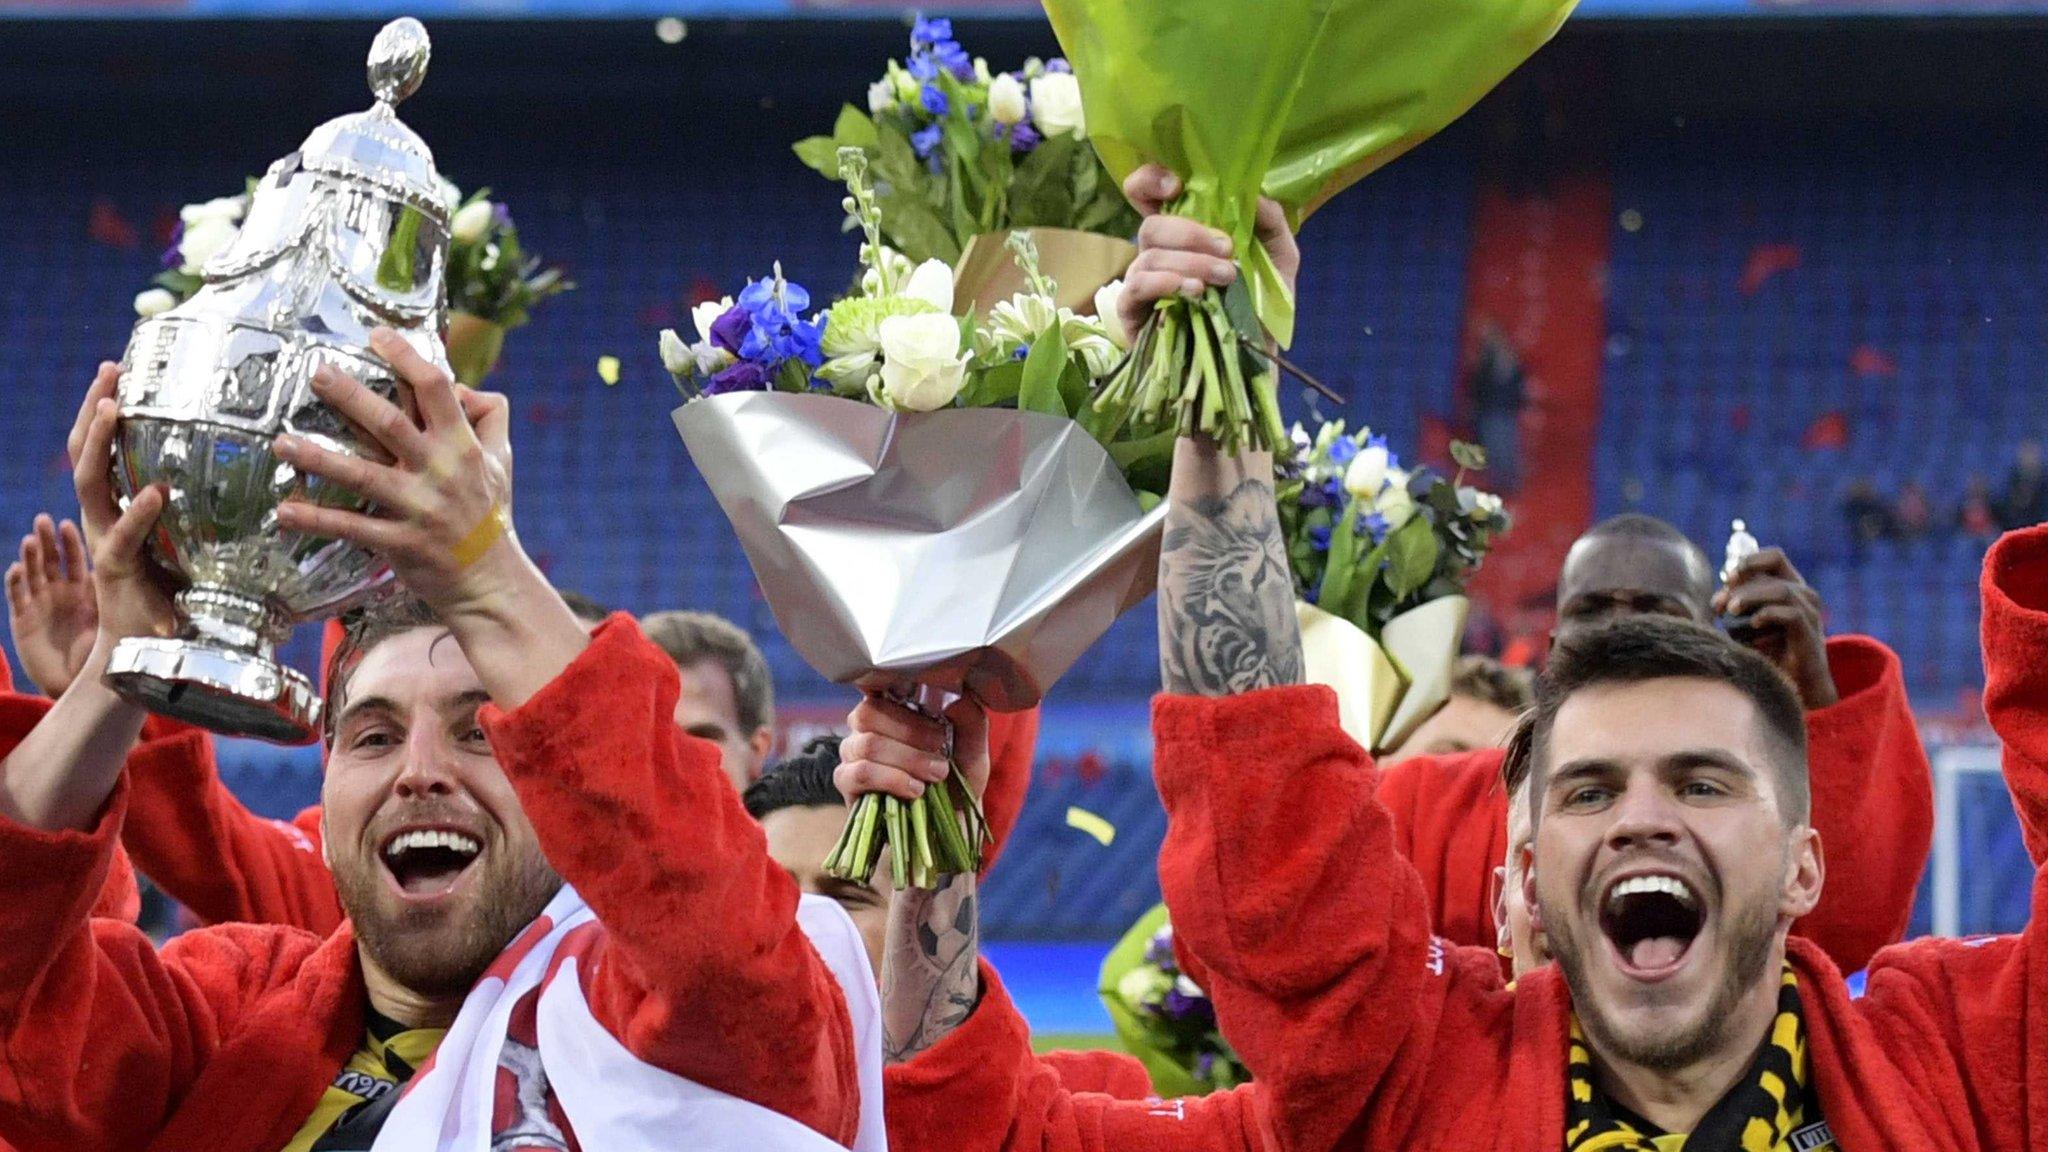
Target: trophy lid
{"x":375,"y":146}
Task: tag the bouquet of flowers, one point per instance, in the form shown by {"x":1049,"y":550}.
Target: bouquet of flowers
{"x":493,"y":284}
{"x":1164,"y":1018}
{"x":965,"y":156}
{"x":1326,"y":92}
{"x":1381,"y":556}
{"x":835,"y":443}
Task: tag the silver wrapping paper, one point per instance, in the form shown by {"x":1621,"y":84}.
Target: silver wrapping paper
{"x":978,"y":550}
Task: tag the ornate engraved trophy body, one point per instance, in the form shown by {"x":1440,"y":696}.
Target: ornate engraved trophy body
{"x":348,"y":233}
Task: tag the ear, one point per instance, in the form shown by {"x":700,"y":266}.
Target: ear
{"x":1503,"y":940}
{"x":762,"y":742}
{"x":326,"y":841}
{"x":1805,"y":873}
{"x":1528,"y":861}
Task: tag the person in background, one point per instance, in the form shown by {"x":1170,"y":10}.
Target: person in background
{"x":1913,"y":515}
{"x":801,"y":813}
{"x":728,"y":697}
{"x":1869,"y":517}
{"x":1486,"y":696}
{"x":1975,"y":517}
{"x":2024,"y":501}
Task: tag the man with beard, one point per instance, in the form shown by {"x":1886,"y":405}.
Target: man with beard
{"x":476,"y":747}
{"x":1672,"y":852}
{"x":1870,"y":772}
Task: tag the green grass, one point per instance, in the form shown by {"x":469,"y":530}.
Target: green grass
{"x":1054,"y":1041}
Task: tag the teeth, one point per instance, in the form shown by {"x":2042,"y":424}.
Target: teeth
{"x":429,"y":838}
{"x":1643,"y":885}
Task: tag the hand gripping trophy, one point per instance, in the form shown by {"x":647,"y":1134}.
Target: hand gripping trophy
{"x":345,"y":234}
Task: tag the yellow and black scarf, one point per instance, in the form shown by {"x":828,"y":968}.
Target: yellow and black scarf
{"x":1771,"y":1109}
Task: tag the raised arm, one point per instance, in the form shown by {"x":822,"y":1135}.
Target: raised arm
{"x":2016,"y":672}
{"x":706,"y":971}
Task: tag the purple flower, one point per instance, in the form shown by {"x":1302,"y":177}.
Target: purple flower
{"x":172,"y":256}
{"x":1374,"y":525}
{"x":744,"y":376}
{"x":1023,"y":138}
{"x":926,"y":32}
{"x":1205,"y":1066}
{"x":1319,"y":538}
{"x":1159,"y":950}
{"x":501,"y":216}
{"x":926,"y":139}
{"x":1058,"y":64}
{"x":953,"y":58}
{"x":1188,"y":1009}
{"x":1343,"y":450}
{"x":730,"y":329}
{"x":924,"y":67}
{"x":934,"y":101}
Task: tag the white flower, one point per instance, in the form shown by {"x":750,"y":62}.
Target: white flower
{"x":706,"y":314}
{"x":1394,"y":502}
{"x":710,"y":358}
{"x":1487,"y":502}
{"x":1107,"y":299}
{"x":1187,"y":987}
{"x":1022,"y":319}
{"x":881,"y":97}
{"x":675,"y":355}
{"x":1006,"y":99}
{"x":450,"y":194}
{"x":907,"y":86}
{"x":932,"y":283}
{"x":899,"y":267}
{"x":922,"y":368}
{"x":154,"y":301}
{"x":228,"y":208}
{"x":203,"y":240}
{"x":1367,"y":473}
{"x":1056,"y":105}
{"x":472,"y":223}
{"x":981,"y":72}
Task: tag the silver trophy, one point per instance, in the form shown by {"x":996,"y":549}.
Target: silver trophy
{"x":348,"y":233}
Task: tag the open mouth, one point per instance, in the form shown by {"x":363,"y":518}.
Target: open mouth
{"x":1651,"y":921}
{"x":429,"y":861}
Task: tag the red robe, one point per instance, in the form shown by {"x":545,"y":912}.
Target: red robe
{"x":1873,"y":803}
{"x":1294,"y":908}
{"x":224,"y":1040}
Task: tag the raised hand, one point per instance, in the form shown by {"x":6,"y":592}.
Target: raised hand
{"x":444,"y":504}
{"x":897,"y":750}
{"x":1226,"y":592}
{"x":1178,"y":257}
{"x":52,"y":612}
{"x":131,"y":594}
{"x":1785,"y":622}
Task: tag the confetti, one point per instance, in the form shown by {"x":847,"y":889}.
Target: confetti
{"x":1094,"y":825}
{"x":608,"y":369}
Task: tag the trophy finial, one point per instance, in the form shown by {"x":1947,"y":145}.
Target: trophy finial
{"x":398,"y":59}
{"x":1741,"y":546}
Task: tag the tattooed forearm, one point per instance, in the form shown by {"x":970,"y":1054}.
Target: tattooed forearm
{"x":1226,"y":593}
{"x":930,"y":983}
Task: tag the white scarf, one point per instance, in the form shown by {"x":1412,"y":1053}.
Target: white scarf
{"x":614,"y":1101}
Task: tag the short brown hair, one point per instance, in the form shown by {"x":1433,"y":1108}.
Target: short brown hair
{"x":1644,"y":648}
{"x":361,"y":630}
{"x":1488,"y":680}
{"x":695,"y":637}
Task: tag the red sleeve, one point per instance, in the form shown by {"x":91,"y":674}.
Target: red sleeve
{"x":1117,"y":1074}
{"x":1012,"y":744}
{"x":1873,"y":804}
{"x":1450,"y":817}
{"x":1292,"y":908}
{"x":99,"y":1036}
{"x":706,"y":973}
{"x":981,"y":1090}
{"x":2016,"y":672}
{"x":190,"y":835}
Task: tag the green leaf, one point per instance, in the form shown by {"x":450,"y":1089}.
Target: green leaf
{"x":853,"y":129}
{"x":1244,"y":319}
{"x":1341,"y":570}
{"x":1412,"y":552}
{"x":1470,"y":456}
{"x":1039,"y":391}
{"x":993,"y":387}
{"x":820,"y":154}
{"x":914,"y":228}
{"x":1042,"y":192}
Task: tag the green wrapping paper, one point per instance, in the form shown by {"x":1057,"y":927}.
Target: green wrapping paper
{"x":1292,"y":99}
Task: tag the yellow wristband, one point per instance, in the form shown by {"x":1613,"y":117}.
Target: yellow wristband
{"x":486,"y":533}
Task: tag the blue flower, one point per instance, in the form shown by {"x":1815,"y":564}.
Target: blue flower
{"x":948,"y":54}
{"x":1319,"y":538}
{"x":926,"y":139}
{"x":1058,"y":64}
{"x":1374,"y":525}
{"x":924,"y":67}
{"x":729,"y":329}
{"x":745,"y":376}
{"x":172,"y":256}
{"x":1023,"y":138}
{"x":931,"y":31}
{"x":934,"y":101}
{"x":1023,"y":351}
{"x":1343,"y":450}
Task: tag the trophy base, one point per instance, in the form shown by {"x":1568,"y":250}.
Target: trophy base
{"x":221,"y":689}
